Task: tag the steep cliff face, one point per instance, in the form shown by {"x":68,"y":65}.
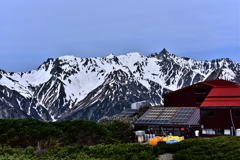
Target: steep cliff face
{"x":90,"y":88}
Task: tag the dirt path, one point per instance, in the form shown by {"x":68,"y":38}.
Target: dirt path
{"x":165,"y":156}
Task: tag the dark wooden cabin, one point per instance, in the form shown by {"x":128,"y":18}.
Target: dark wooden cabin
{"x":194,"y":95}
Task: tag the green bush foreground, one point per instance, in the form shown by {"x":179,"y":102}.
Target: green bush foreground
{"x":29,"y":139}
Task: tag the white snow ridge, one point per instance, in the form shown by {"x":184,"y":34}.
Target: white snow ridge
{"x":69,"y":87}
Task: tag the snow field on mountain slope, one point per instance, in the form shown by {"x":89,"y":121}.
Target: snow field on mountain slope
{"x":86,"y":80}
{"x":130,"y":59}
{"x":7,"y":82}
{"x":68,"y":62}
{"x":151,"y":71}
{"x":27,"y":79}
{"x":80,"y":83}
{"x":35,"y":77}
{"x":15,"y":85}
{"x":227,"y":74}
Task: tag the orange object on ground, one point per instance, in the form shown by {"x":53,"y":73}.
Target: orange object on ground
{"x":155,"y":140}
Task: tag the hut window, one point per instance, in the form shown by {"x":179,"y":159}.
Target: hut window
{"x":220,"y":131}
{"x":227,"y":132}
{"x":207,"y":113}
{"x":176,"y":133}
{"x":208,"y":131}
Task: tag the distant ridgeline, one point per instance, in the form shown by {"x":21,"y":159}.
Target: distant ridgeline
{"x":69,"y":88}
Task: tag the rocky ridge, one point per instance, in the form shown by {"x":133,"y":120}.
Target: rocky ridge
{"x":91,"y":88}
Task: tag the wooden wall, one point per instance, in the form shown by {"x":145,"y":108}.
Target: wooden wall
{"x":186,"y":97}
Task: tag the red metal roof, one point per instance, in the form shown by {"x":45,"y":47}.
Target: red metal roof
{"x":223,"y":96}
{"x":212,"y":83}
{"x":224,"y":92}
{"x":223,"y":101}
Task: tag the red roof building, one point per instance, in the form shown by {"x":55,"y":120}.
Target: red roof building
{"x":216,"y":106}
{"x":195,"y":94}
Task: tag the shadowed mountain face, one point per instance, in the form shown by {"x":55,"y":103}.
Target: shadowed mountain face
{"x":90,"y":88}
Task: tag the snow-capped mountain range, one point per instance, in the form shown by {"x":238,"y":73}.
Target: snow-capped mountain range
{"x":90,"y":88}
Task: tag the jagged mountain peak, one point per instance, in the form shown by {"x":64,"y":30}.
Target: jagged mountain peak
{"x":111,"y":55}
{"x":164,"y":54}
{"x":164,"y":51}
{"x":69,"y":87}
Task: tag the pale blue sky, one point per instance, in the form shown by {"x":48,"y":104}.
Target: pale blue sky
{"x":33,"y":30}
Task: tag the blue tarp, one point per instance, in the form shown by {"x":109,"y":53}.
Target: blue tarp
{"x":171,"y":141}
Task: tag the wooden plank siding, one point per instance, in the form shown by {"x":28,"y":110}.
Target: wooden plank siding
{"x":188,"y":97}
{"x":221,"y":119}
